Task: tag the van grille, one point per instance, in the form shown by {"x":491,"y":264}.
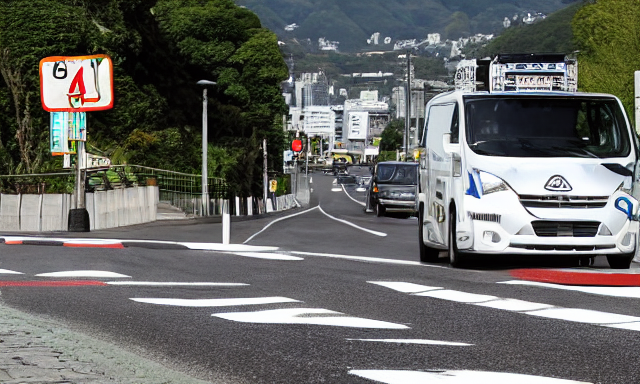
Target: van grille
{"x":563,"y":201}
{"x":565,"y":228}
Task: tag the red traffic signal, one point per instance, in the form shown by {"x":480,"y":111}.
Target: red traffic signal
{"x":296,"y":145}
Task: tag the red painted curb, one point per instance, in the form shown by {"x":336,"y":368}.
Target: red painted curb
{"x":69,"y":283}
{"x":577,"y":278}
{"x":88,"y":245}
{"x":18,"y":242}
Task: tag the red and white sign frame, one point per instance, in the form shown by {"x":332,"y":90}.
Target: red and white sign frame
{"x":76,"y":83}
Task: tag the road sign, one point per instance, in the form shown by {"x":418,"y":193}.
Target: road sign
{"x":273,"y":185}
{"x":76,"y":83}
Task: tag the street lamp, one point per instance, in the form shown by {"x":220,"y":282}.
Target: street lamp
{"x":205,"y":178}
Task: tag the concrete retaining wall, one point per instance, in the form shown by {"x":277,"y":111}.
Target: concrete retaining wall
{"x":107,"y":209}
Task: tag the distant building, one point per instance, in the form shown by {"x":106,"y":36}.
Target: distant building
{"x":369,"y":95}
{"x":291,"y":27}
{"x":326,"y":45}
{"x":374,"y":40}
{"x":433,"y":38}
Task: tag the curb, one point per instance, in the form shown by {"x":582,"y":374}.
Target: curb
{"x":612,"y":279}
{"x":122,"y":244}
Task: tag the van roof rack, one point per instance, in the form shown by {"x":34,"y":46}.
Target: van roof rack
{"x":518,"y":73}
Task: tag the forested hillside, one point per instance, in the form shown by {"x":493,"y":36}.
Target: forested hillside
{"x":353,"y":22}
{"x":160,"y":49}
{"x":551,"y":35}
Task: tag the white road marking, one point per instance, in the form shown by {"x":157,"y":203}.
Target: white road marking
{"x":277,"y":220}
{"x":312,"y":316}
{"x":404,"y":287}
{"x":335,"y":181}
{"x":458,"y":296}
{"x":216,"y":302}
{"x":585,"y":316}
{"x":311,"y":180}
{"x":227,"y":247}
{"x":9,"y":272}
{"x":336,"y":190}
{"x":415,"y":341}
{"x":176,"y":284}
{"x":376,"y":233}
{"x":269,"y":256}
{"x":455,"y":377}
{"x":349,"y":196}
{"x":368,"y":259}
{"x":631,"y":292}
{"x":102,"y":274}
{"x":515,"y":305}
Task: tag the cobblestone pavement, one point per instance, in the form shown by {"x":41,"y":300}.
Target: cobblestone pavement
{"x":37,"y":350}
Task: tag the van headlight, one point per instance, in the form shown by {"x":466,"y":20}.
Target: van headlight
{"x":491,"y":183}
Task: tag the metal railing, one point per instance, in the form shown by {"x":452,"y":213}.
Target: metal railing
{"x":182,"y":190}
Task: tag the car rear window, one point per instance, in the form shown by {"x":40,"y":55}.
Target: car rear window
{"x":397,"y":174}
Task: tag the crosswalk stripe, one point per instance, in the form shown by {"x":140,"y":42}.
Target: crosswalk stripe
{"x":631,"y":292}
{"x":586,"y":316}
{"x":415,"y":341}
{"x":455,"y":377}
{"x":216,"y":302}
{"x":311,"y":316}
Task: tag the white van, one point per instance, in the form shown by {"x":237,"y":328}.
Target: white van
{"x":515,"y":161}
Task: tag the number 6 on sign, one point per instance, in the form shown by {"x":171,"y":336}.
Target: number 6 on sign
{"x":76,"y":84}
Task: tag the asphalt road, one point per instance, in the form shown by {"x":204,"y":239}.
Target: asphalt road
{"x":343,"y":300}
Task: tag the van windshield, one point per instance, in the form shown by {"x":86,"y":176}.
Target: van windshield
{"x":405,"y":174}
{"x":538,"y":126}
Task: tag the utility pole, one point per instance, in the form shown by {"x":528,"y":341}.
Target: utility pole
{"x":407,"y":121}
{"x":306,"y":157}
{"x":265,"y":177}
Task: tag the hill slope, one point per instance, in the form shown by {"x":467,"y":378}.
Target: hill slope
{"x":353,"y":22}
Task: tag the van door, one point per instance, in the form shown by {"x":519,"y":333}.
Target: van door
{"x":436,"y":170}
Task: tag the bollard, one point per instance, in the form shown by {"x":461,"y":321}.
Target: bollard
{"x":226,"y":222}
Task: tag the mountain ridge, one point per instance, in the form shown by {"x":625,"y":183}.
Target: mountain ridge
{"x":352,"y":22}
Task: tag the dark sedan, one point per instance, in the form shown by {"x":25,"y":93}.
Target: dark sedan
{"x":393,"y":188}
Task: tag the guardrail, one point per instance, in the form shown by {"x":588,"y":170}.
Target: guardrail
{"x":181,"y":190}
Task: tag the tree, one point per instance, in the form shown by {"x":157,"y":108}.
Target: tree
{"x":608,"y":36}
{"x":160,"y":49}
{"x":392,"y":135}
{"x":32,"y":30}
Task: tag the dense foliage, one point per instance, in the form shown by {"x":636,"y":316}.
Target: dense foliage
{"x":608,"y":36}
{"x":353,"y":22}
{"x":392,"y":135}
{"x":160,"y":49}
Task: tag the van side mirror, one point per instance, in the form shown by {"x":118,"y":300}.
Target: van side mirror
{"x":448,"y":146}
